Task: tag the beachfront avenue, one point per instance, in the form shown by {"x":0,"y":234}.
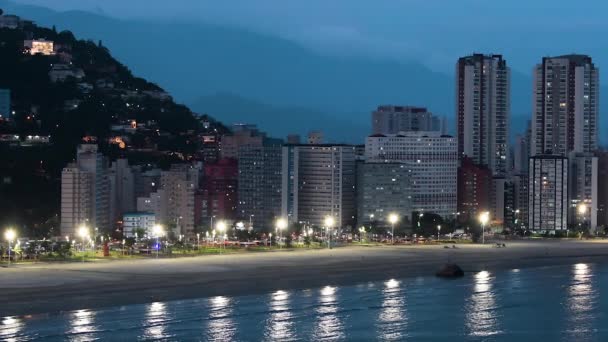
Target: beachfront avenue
{"x":234,"y":238}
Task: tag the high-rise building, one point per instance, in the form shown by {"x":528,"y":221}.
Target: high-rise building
{"x":565,"y":123}
{"x":180,"y":184}
{"x":242,"y":135}
{"x":583,"y":187}
{"x":394,"y":119}
{"x":521,"y":155}
{"x":432,"y":161}
{"x":122,"y":189}
{"x":483,"y":110}
{"x":85,"y":192}
{"x":565,"y":105}
{"x":602,"y":188}
{"x":520,"y":187}
{"x":473,"y":195}
{"x":319,"y":181}
{"x":259,"y":192}
{"x":548,"y":193}
{"x":5,"y":103}
{"x":382,"y":189}
{"x":218,"y":195}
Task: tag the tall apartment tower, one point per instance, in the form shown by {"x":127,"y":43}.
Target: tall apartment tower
{"x":483,"y":109}
{"x":565,"y":105}
{"x":85,"y":192}
{"x":180,"y":184}
{"x":319,"y":181}
{"x":565,"y":123}
{"x":259,"y":180}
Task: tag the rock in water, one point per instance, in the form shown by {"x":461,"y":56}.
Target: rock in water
{"x":450,"y":271}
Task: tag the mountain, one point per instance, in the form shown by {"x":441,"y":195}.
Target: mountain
{"x":279,"y":121}
{"x":70,"y":91}
{"x":196,"y":59}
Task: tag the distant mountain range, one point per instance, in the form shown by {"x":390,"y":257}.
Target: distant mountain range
{"x":221,"y":71}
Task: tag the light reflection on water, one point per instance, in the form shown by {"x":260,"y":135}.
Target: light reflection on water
{"x":329,"y":323}
{"x":156,"y":320}
{"x":221,"y":326}
{"x":279,"y":325}
{"x":10,"y":329}
{"x":392,"y":321}
{"x":530,"y":304}
{"x":581,"y":302}
{"x":481,"y":312}
{"x":83,"y":328}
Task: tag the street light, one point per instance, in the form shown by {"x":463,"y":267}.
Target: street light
{"x":329,"y":223}
{"x":83,"y":232}
{"x":393,"y":218}
{"x":438,"y":230}
{"x":221,"y":227}
{"x":157,"y":231}
{"x":484,"y":218}
{"x":361,"y":232}
{"x":9,"y":235}
{"x":281,"y":224}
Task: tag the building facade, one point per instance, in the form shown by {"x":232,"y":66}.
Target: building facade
{"x":134,"y":222}
{"x":383,"y":189}
{"x":548,"y":193}
{"x":85,"y":192}
{"x":319,"y":181}
{"x":474,"y":181}
{"x":583,"y":188}
{"x":259,"y":175}
{"x":483,"y":110}
{"x":390,"y":119}
{"x":180,"y":184}
{"x":218,"y":194}
{"x":432,"y":160}
{"x":565,"y":105}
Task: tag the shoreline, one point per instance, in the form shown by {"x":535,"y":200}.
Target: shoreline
{"x":52,"y":288}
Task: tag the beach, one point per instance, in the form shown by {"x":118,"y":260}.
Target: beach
{"x":52,"y":287}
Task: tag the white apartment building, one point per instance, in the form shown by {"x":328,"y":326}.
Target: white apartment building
{"x":85,"y":192}
{"x":548,"y":193}
{"x":131,"y":222}
{"x":432,"y":160}
{"x":180,"y":184}
{"x":319,"y":181}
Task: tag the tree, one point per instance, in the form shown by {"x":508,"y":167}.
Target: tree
{"x":426,"y":224}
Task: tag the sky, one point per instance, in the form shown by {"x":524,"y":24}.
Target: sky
{"x":434,"y":32}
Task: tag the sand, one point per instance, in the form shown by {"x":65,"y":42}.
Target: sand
{"x":53,"y":287}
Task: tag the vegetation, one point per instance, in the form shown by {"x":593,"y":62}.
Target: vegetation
{"x":107,"y":94}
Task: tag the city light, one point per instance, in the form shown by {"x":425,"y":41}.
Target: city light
{"x":484,"y":218}
{"x":157,"y":231}
{"x":393,"y":218}
{"x":10,"y":235}
{"x":221,"y":226}
{"x":582,"y":208}
{"x":281,"y":224}
{"x":329,"y":222}
{"x":83,"y":232}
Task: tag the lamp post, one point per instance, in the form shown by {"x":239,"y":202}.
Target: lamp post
{"x":281,"y":224}
{"x":393,"y":218}
{"x":329,"y":223}
{"x":438,"y":230}
{"x":484,"y":218}
{"x":198,"y":241}
{"x":270,"y":239}
{"x":10,"y":236}
{"x":83,"y":232}
{"x":361,"y":232}
{"x":582,"y":211}
{"x":221,"y":227}
{"x":251,"y":222}
{"x":157,"y":230}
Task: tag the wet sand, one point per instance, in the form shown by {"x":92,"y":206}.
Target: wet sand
{"x":53,"y":287}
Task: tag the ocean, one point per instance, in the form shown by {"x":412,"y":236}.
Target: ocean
{"x":561,"y":303}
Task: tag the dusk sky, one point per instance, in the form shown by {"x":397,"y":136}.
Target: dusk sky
{"x":433,"y":32}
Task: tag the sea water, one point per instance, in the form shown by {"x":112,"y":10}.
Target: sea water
{"x":562,"y":303}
